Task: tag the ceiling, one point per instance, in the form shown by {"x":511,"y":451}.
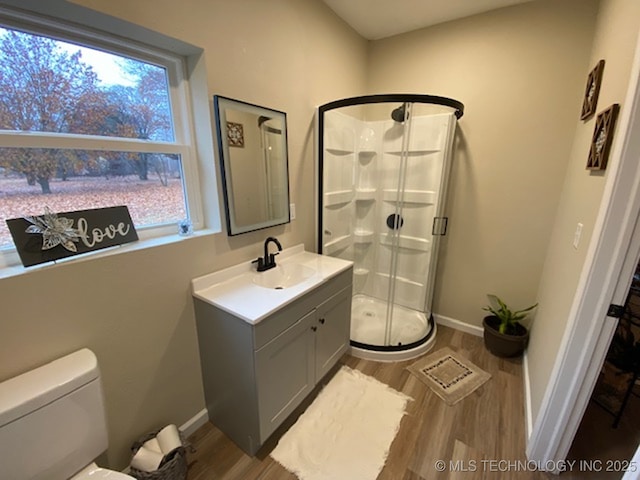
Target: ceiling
{"x":376,"y":19}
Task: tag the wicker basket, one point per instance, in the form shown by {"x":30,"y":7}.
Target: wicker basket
{"x":173,"y":467}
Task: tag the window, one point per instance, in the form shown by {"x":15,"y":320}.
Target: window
{"x":88,"y":122}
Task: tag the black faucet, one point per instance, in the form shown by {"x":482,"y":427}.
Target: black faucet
{"x":269,"y":260}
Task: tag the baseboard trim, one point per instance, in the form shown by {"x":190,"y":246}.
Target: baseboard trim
{"x":458,"y":325}
{"x":528,"y":414}
{"x":194,"y":423}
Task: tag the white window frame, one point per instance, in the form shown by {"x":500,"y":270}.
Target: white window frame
{"x":181,"y":99}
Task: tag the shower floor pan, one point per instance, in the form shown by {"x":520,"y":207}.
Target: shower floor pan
{"x":412,"y":334}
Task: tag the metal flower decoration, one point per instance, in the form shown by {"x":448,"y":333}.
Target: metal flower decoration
{"x":55,"y":231}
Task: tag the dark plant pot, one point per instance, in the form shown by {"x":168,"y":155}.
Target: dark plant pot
{"x":501,"y":344}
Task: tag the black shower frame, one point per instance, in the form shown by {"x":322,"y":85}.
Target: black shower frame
{"x":364,"y":100}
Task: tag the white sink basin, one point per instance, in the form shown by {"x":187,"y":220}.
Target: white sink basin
{"x":283,"y":276}
{"x":253,"y":296}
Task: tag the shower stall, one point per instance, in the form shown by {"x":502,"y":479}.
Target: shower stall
{"x":384,"y":163}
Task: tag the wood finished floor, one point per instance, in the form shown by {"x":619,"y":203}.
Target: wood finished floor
{"x":597,"y":441}
{"x":481,"y":430}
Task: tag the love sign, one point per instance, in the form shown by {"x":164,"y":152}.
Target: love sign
{"x":52,"y":236}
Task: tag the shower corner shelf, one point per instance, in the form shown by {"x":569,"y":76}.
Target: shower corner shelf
{"x":411,"y":153}
{"x":336,"y":244}
{"x":366,"y":157}
{"x":360,"y":272}
{"x":367,"y":154}
{"x":339,"y":151}
{"x":424,"y":197}
{"x":338,"y":197}
{"x":365,"y":194}
{"x":410,"y":243}
{"x":362,"y":236}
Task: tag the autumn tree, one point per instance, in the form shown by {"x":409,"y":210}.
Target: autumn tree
{"x":145,"y":109}
{"x":40,"y":85}
{"x":97,"y":113}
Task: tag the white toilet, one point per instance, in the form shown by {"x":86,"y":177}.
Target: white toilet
{"x":53,"y":423}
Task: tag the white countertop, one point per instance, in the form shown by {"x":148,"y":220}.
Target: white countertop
{"x":233,"y":290}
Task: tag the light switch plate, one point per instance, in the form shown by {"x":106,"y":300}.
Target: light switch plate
{"x":576,"y":236}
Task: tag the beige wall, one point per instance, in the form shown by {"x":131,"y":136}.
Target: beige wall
{"x":520,"y":72}
{"x":134,"y":310}
{"x":614,"y":41}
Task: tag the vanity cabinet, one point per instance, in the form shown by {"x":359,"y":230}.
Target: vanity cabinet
{"x":255,"y":375}
{"x":332,"y":332}
{"x":285,"y":373}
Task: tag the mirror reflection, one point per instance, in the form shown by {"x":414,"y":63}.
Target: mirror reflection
{"x":253,"y":152}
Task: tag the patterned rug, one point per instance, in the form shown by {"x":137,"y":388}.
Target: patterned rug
{"x":449,"y":375}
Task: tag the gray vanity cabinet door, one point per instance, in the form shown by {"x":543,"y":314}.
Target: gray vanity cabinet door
{"x":285,"y":374}
{"x":332,"y":334}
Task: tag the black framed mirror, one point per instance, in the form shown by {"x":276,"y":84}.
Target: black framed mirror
{"x":252,"y":142}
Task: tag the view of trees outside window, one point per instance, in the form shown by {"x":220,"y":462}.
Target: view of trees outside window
{"x":56,"y":88}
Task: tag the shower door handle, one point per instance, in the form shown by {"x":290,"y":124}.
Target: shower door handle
{"x":439,"y":226}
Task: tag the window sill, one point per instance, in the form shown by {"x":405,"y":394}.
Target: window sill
{"x":16,"y":270}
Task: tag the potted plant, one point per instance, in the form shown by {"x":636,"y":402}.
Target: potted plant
{"x":504,"y":335}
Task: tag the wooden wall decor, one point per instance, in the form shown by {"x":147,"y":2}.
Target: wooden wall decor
{"x":235,"y":134}
{"x":602,"y":138}
{"x":592,"y":90}
{"x":54,"y":236}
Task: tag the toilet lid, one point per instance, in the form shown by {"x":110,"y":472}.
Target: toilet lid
{"x":98,"y":473}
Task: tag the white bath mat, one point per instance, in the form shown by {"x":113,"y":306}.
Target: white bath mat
{"x":346,"y":432}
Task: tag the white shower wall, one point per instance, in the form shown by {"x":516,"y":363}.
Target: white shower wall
{"x":361,"y":179}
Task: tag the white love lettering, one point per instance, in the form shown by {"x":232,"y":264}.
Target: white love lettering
{"x":97,"y":234}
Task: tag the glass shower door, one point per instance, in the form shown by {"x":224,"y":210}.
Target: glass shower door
{"x":383,"y":172}
{"x":402,"y":263}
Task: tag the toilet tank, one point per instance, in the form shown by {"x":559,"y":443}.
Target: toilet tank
{"x":52,"y":419}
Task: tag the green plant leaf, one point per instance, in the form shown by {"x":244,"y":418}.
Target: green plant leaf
{"x":507,"y":317}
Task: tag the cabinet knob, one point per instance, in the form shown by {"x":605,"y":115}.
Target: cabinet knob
{"x":321,"y":321}
{"x":314,"y":328}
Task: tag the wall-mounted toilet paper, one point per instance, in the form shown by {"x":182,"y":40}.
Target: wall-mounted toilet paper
{"x":169,"y":438}
{"x":146,"y":460}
